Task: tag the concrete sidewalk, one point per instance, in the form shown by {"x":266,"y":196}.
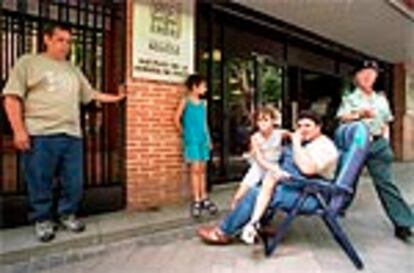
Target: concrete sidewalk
{"x":21,"y":251}
{"x":164,"y":241}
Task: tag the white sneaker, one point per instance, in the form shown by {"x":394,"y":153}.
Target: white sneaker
{"x":70,"y":222}
{"x":45,"y":230}
{"x":249,"y":234}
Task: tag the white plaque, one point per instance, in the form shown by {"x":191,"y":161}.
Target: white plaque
{"x":163,"y":39}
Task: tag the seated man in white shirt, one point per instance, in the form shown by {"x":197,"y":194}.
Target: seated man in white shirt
{"x":311,"y":154}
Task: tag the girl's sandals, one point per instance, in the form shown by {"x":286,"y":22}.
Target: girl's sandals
{"x":208,"y":205}
{"x":195,"y":209}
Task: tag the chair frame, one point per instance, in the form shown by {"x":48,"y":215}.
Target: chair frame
{"x":321,"y":190}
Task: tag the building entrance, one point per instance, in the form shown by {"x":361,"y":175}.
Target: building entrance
{"x":248,"y":83}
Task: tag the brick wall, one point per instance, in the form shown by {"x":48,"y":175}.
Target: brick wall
{"x":399,"y":110}
{"x":409,"y":116}
{"x":408,"y":140}
{"x":155,"y":170}
{"x":403,"y":126}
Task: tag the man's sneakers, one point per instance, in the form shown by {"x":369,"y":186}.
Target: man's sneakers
{"x":70,"y":222}
{"x":45,"y":230}
{"x":403,"y":233}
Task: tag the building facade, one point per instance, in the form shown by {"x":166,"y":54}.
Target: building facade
{"x":291,"y":54}
{"x":252,"y":57}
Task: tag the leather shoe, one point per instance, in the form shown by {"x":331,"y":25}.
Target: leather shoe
{"x":403,"y":233}
{"x":213,"y":235}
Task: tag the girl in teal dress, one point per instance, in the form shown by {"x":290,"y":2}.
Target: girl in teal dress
{"x":191,"y":121}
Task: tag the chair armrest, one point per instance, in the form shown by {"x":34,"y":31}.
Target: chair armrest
{"x":316,"y":185}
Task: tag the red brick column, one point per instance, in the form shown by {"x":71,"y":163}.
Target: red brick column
{"x":155,"y":170}
{"x":403,"y":127}
{"x":408,"y":153}
{"x":398,"y":98}
{"x":408,"y":137}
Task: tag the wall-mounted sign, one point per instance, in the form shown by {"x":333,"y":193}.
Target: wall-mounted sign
{"x":163,"y":39}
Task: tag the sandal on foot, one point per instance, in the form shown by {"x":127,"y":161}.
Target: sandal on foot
{"x":209,"y":206}
{"x":195,"y":209}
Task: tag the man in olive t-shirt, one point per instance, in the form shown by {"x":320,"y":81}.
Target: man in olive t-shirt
{"x":42,"y":101}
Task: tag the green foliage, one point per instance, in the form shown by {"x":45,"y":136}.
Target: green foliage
{"x":271,"y":84}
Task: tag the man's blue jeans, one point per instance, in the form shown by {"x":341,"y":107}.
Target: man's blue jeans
{"x":52,"y":156}
{"x":284,"y":196}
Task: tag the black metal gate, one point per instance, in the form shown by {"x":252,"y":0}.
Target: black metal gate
{"x":98,"y":48}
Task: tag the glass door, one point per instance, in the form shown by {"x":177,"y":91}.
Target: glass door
{"x":248,"y":83}
{"x":240,"y":105}
{"x":270,"y":82}
{"x":322,"y":93}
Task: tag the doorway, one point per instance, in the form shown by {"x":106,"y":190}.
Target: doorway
{"x":322,"y":93}
{"x":247,"y":83}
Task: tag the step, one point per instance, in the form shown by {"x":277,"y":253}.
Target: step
{"x":21,"y":252}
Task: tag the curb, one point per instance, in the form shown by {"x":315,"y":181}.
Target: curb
{"x":45,"y":257}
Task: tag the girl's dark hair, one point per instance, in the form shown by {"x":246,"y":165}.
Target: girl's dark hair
{"x":194,"y":80}
{"x":310,"y":115}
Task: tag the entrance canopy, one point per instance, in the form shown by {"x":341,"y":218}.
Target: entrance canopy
{"x":382,"y":28}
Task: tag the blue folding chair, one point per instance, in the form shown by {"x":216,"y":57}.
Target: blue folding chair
{"x":329,"y":199}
